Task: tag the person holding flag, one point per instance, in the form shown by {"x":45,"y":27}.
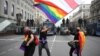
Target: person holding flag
{"x":43,"y":41}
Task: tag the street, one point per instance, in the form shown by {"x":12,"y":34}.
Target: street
{"x":9,"y":46}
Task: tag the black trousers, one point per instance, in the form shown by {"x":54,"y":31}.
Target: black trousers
{"x":77,"y":50}
{"x":45,"y":46}
{"x":29,"y":50}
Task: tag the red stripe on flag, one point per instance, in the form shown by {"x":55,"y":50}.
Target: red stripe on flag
{"x":36,"y":0}
{"x":72,"y":3}
{"x":51,"y":4}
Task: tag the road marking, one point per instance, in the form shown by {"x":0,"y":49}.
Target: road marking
{"x":15,"y":47}
{"x":58,"y":41}
{"x":7,"y":39}
{"x":2,"y":53}
{"x":11,"y":40}
{"x":10,"y":49}
{"x":53,"y":43}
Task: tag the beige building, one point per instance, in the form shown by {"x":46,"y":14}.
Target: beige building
{"x":9,"y":10}
{"x":84,"y":12}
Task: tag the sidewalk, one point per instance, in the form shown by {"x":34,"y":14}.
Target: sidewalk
{"x":14,"y":37}
{"x":6,"y":34}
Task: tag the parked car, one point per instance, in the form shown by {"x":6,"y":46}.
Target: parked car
{"x":64,"y":31}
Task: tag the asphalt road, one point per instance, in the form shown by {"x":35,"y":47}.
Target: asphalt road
{"x":9,"y":46}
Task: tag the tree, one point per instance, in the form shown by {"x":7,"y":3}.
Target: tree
{"x":67,"y":22}
{"x":85,"y":22}
{"x":31,"y":22}
{"x":27,"y":22}
{"x":80,"y":21}
{"x":63,"y":22}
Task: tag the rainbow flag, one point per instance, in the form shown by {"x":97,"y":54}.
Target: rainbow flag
{"x":55,"y":10}
{"x":82,"y":40}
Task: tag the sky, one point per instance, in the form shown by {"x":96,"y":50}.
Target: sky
{"x":83,"y":2}
{"x":87,"y":1}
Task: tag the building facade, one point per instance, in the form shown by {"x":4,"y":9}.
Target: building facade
{"x":95,"y":10}
{"x":14,"y":10}
{"x":83,"y":13}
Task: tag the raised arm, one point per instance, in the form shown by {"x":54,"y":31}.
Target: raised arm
{"x":32,"y":38}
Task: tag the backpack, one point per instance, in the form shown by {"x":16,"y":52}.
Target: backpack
{"x":36,"y":40}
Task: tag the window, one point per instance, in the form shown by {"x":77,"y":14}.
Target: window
{"x":25,"y":15}
{"x":28,"y":15}
{"x":6,"y":7}
{"x":21,"y":4}
{"x":18,"y":2}
{"x":83,"y":6}
{"x":99,"y":12}
{"x":32,"y":17}
{"x":22,"y":13}
{"x":12,"y":10}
